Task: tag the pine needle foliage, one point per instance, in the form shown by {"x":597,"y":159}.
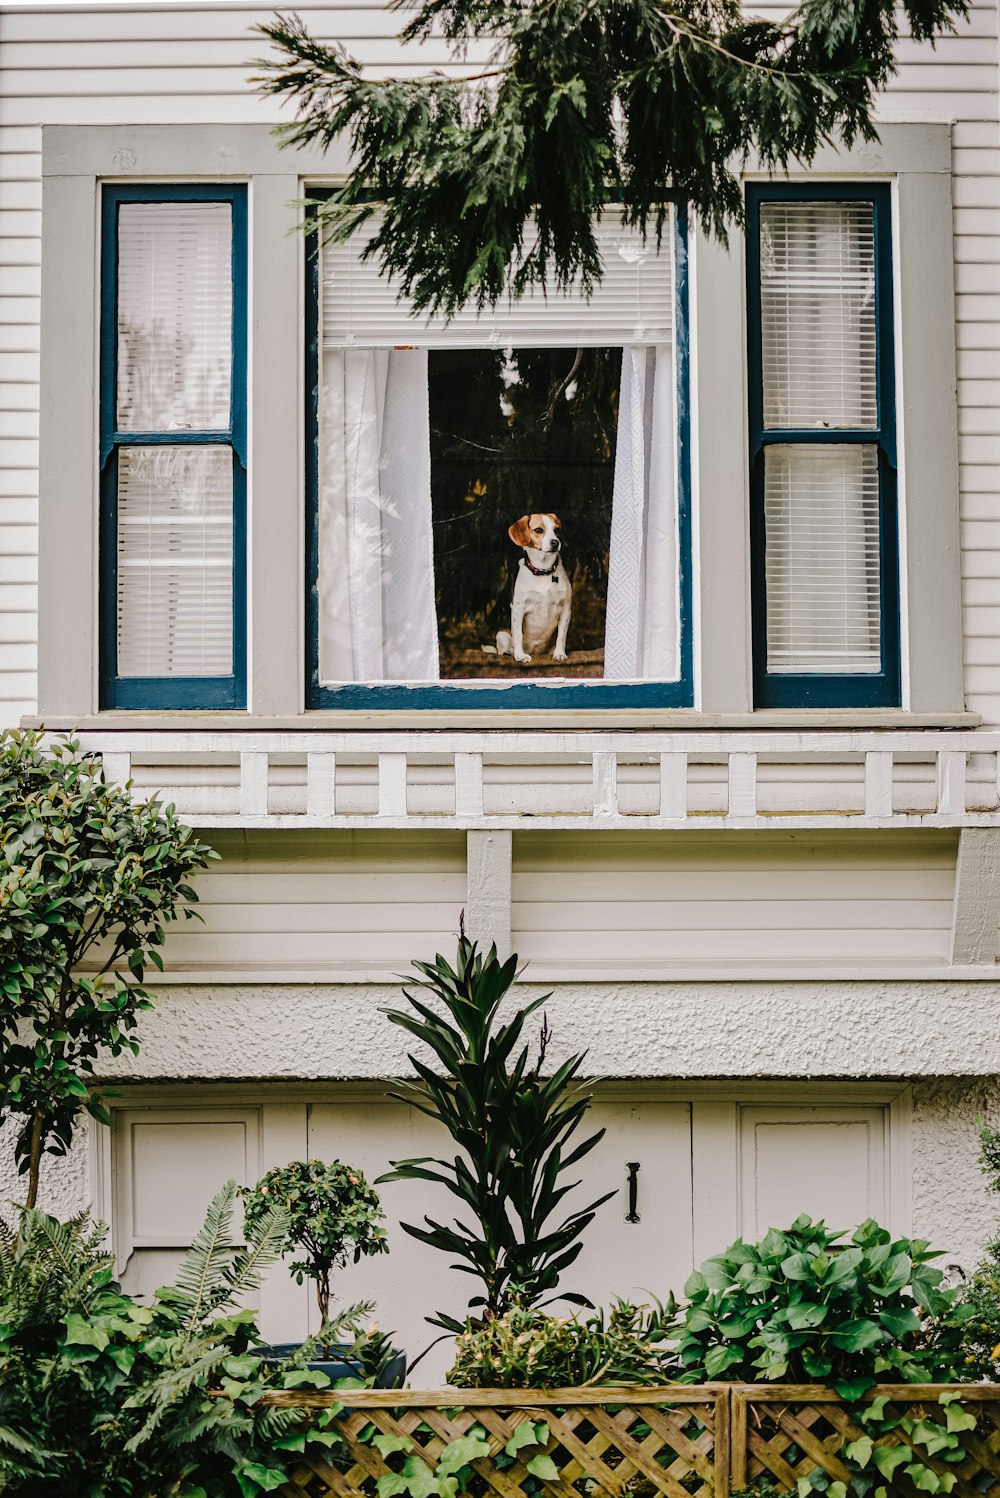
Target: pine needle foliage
{"x":493,"y":182}
{"x":513,"y":1128}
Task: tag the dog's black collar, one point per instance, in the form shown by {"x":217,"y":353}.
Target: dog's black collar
{"x":541,"y":571}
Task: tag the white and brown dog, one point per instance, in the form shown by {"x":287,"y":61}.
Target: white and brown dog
{"x":543,"y":595}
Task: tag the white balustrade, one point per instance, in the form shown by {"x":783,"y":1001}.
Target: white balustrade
{"x":563,"y":779}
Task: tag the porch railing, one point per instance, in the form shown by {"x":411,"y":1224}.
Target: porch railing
{"x":567,"y":780}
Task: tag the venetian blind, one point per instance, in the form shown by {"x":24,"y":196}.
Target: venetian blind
{"x":175,"y":561}
{"x":817,"y":306}
{"x":175,"y":313}
{"x":821,"y":519}
{"x":821,"y":502}
{"x":632,"y":305}
{"x":174,"y":549}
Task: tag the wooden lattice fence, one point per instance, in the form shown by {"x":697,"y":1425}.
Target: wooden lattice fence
{"x":602,"y":1441}
{"x":702,"y":1441}
{"x":784,"y":1433}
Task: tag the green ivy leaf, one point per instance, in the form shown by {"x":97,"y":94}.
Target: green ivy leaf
{"x":860,"y":1451}
{"x":544,"y":1467}
{"x":387,"y":1444}
{"x":527,"y":1433}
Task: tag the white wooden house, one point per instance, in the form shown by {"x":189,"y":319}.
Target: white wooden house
{"x":753,"y":850}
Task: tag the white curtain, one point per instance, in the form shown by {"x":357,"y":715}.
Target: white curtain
{"x":643,"y":615}
{"x":376,"y":555}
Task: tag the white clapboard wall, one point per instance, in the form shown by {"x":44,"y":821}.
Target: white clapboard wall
{"x":610,"y":903}
{"x":147,"y":64}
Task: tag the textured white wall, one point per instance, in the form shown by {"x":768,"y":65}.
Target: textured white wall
{"x":864,"y":1029}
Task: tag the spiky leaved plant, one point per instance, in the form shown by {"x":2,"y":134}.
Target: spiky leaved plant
{"x":512,"y":1127}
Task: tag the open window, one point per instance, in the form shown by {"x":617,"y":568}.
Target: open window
{"x":498,"y":505}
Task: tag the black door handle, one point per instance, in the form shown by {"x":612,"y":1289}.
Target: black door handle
{"x":632,"y":1166}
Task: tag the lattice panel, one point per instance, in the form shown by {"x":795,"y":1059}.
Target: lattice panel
{"x":615,"y":1450}
{"x":785,"y":1442}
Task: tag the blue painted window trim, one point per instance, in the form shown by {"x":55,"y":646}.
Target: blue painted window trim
{"x":876,"y":689}
{"x":170,"y":691}
{"x":466,"y":697}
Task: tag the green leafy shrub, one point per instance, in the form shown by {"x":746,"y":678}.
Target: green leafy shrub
{"x":86,"y":877}
{"x":103,"y":1398}
{"x":333,"y":1216}
{"x":805,"y":1308}
{"x":981,"y":1293}
{"x":528,"y":1349}
{"x":511,"y":1125}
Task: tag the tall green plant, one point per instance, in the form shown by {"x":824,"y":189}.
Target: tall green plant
{"x":87,"y":879}
{"x":512,"y":1126}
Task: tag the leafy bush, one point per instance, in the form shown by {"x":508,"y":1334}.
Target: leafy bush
{"x":512,"y":1128}
{"x":803,"y":1307}
{"x":981,"y":1293}
{"x":85,"y":877}
{"x":103,"y":1398}
{"x":333,"y":1215}
{"x":527,"y":1349}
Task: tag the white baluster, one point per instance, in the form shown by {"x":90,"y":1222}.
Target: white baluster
{"x":321,"y":782}
{"x":878,"y":783}
{"x":605,"y":784}
{"x":469,"y":786}
{"x":673,"y":784}
{"x":951,"y":782}
{"x":742,"y":785}
{"x":392,"y":785}
{"x":253,"y":783}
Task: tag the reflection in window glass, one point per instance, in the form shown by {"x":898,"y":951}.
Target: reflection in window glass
{"x":175,"y":312}
{"x":175,"y":561}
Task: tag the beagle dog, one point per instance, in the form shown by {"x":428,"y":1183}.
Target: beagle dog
{"x":543,"y":596}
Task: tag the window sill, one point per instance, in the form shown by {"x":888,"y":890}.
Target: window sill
{"x":684,"y":719}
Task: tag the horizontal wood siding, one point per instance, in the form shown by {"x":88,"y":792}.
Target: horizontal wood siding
{"x":340,"y":902}
{"x":615,"y":901}
{"x":162,"y":64}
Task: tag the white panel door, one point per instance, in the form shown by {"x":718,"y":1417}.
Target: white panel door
{"x":827,"y":1161}
{"x":636,"y":1260}
{"x":169,"y":1164}
{"x":619,"y":1258}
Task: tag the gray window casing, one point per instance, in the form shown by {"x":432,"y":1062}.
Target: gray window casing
{"x":915,"y":158}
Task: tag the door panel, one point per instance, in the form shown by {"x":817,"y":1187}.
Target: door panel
{"x":829,"y":1162}
{"x":619,"y":1258}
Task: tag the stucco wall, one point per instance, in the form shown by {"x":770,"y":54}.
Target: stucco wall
{"x":864,"y":1029}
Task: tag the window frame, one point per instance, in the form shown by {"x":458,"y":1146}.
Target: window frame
{"x":827,"y":689}
{"x":511,"y":693}
{"x":178,"y":692}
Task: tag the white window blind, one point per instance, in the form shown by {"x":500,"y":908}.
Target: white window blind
{"x":175,"y":561}
{"x":821,"y":518}
{"x":632,"y":305}
{"x":817,"y":306}
{"x":175,"y":314}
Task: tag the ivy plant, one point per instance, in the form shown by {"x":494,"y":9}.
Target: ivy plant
{"x":88,"y":883}
{"x":805,"y":1307}
{"x":981,"y":1292}
{"x":102,"y":1396}
{"x":513,"y":1128}
{"x":491,"y":182}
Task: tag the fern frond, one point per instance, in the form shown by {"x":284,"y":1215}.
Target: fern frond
{"x":267,"y":1238}
{"x":202,"y":1273}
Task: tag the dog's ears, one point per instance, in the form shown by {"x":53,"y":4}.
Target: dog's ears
{"x":520,"y":531}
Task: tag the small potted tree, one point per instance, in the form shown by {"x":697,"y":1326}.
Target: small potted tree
{"x":334,"y":1217}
